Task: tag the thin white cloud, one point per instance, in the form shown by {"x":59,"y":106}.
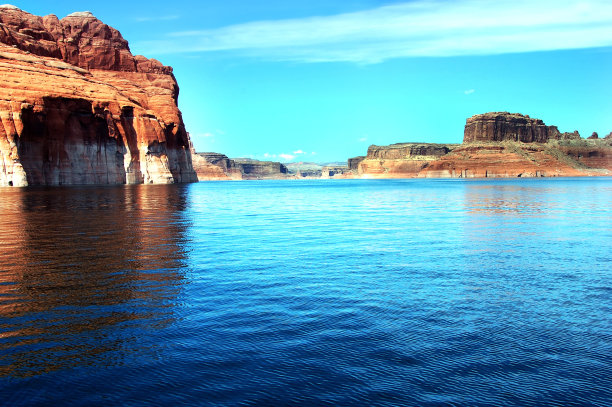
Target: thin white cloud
{"x":298,"y":152}
{"x":287,"y":157}
{"x":422,"y":28}
{"x":143,"y":19}
{"x":363,"y":139}
{"x":469,"y":91}
{"x":209,"y":137}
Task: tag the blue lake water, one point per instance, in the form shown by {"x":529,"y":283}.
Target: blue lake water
{"x":356,"y":292}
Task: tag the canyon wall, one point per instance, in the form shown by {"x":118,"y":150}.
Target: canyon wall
{"x":78,"y":108}
{"x":254,"y":169}
{"x":215,"y":166}
{"x":504,"y":126}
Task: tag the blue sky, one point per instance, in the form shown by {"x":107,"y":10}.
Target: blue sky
{"x":320,"y":80}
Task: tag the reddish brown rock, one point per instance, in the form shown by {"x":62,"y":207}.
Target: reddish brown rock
{"x":215,"y":166}
{"x":407,"y":151}
{"x":593,"y":136}
{"x":507,"y":160}
{"x":77,"y":108}
{"x":590,"y":154}
{"x":570,"y":136}
{"x":506,"y":146}
{"x":336,"y":171}
{"x":353,"y":163}
{"x":255,"y":169}
{"x":401,"y":160}
{"x":504,"y":126}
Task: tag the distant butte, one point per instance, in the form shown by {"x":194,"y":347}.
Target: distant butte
{"x":495,"y":144}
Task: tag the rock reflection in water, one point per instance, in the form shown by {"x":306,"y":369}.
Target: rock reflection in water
{"x":89,"y":267}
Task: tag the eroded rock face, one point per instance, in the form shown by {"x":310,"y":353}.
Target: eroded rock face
{"x":591,"y":154}
{"x":336,"y":171}
{"x":504,"y":126}
{"x":215,"y":166}
{"x":407,"y":151}
{"x":495,"y":145}
{"x":255,"y":169}
{"x":78,"y":108}
{"x":353,"y":163}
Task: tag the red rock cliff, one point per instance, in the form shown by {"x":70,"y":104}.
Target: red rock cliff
{"x":504,"y":126}
{"x":497,"y":144}
{"x":78,"y":108}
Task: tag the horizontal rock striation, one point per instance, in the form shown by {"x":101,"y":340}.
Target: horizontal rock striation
{"x":407,"y":151}
{"x":497,"y":144}
{"x":590,"y":153}
{"x":254,"y":169}
{"x":504,"y":126}
{"x":335,"y":171}
{"x":353,"y":163}
{"x":78,"y":108}
{"x":215,"y":166}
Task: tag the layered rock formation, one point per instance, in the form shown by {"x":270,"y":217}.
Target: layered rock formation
{"x":336,"y":171}
{"x":254,"y":169}
{"x":397,"y":160}
{"x":215,"y":166}
{"x":78,"y":108}
{"x":353,"y":163}
{"x":498,"y":144}
{"x":504,"y":126}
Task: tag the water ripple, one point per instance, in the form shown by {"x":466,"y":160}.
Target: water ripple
{"x":379,"y":292}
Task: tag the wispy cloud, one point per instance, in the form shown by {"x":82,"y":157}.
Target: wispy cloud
{"x":469,"y":91}
{"x":434,"y":28}
{"x":362,"y":139}
{"x":143,"y":19}
{"x":287,"y":157}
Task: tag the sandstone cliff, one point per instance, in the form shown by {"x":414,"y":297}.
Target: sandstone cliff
{"x":254,"y":169}
{"x":497,"y":144}
{"x":353,"y":163}
{"x":336,"y":171}
{"x":504,"y":126}
{"x":78,"y":108}
{"x":215,"y":166}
